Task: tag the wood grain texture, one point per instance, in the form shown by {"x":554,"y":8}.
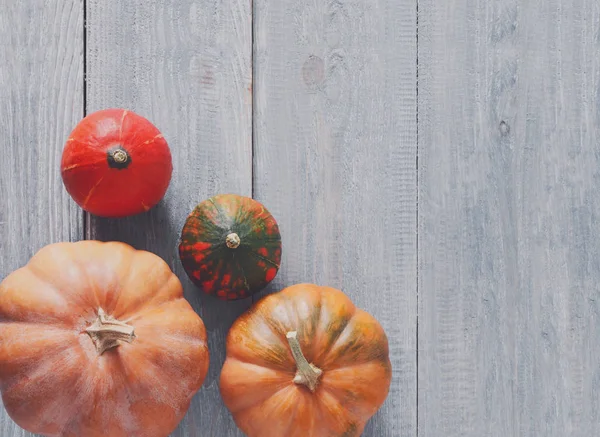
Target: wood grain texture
{"x":186,"y":66}
{"x":335,"y":162}
{"x":509,"y":321}
{"x":41,"y":97}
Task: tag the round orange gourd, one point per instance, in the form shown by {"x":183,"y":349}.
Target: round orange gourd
{"x":305,"y":362}
{"x":97,"y":340}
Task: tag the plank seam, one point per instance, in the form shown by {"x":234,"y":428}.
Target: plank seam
{"x":252,"y":100}
{"x":85,"y":216}
{"x":417,"y":215}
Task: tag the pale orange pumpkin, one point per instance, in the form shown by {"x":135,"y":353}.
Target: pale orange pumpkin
{"x":96,"y":340}
{"x":305,"y":362}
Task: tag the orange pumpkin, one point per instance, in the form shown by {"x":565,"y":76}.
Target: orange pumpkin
{"x":305,"y":362}
{"x":96,"y":340}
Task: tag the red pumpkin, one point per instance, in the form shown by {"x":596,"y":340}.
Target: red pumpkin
{"x":97,"y":340}
{"x":230,"y":246}
{"x":305,"y":362}
{"x":116,"y":163}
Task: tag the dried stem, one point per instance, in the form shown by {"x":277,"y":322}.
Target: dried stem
{"x":306,"y":373}
{"x":232,"y":240}
{"x":107,"y":332}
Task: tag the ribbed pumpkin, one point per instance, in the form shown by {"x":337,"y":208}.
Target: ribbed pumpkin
{"x":230,"y":246}
{"x":305,"y":362}
{"x":96,"y":340}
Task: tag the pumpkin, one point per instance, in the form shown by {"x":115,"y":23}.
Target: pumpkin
{"x":305,"y":362}
{"x":230,"y":246}
{"x":97,"y":340}
{"x":116,"y":163}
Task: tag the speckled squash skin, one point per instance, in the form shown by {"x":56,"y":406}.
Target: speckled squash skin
{"x":268,"y":388}
{"x":230,"y":246}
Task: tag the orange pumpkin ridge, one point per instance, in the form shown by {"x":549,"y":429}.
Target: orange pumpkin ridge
{"x":305,"y":361}
{"x":96,"y":339}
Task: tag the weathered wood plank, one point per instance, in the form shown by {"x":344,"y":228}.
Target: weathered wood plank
{"x":509,"y":321}
{"x":335,"y":162}
{"x":186,"y":66}
{"x":41,"y":98}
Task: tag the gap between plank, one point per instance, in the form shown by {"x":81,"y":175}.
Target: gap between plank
{"x":86,"y":216}
{"x":417,"y":214}
{"x":252,"y":100}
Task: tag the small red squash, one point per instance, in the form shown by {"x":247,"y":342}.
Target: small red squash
{"x":116,"y":163}
{"x":305,"y":362}
{"x":97,"y":340}
{"x":230,"y":246}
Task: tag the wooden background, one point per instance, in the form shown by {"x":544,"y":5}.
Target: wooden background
{"x":438,"y":160}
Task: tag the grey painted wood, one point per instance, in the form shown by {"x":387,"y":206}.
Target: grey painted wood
{"x":335,"y":162}
{"x":509,"y":321}
{"x":186,"y":66}
{"x":509,"y":313}
{"x":41,"y":97}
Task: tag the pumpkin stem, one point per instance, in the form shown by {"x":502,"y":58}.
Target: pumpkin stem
{"x":107,"y":332}
{"x":118,"y":158}
{"x":232,"y":240}
{"x":306,"y":374}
